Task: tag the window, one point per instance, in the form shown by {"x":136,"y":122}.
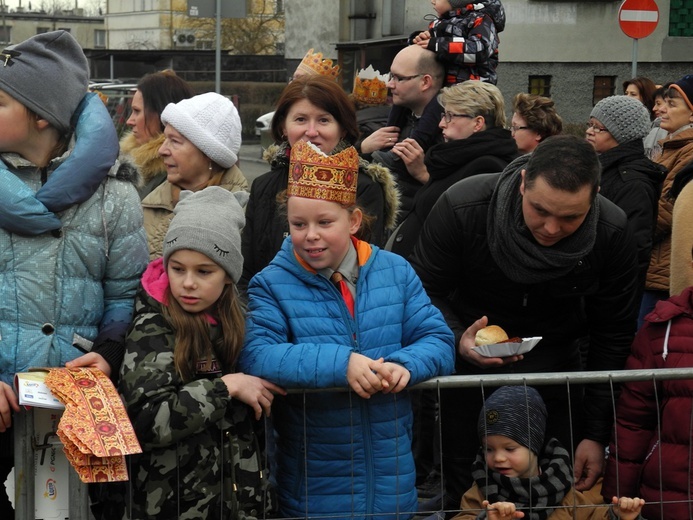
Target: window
{"x":42,"y":30}
{"x":280,"y":7}
{"x":5,"y":33}
{"x":680,"y":18}
{"x":604,"y":86}
{"x":99,"y":39}
{"x":540,"y":85}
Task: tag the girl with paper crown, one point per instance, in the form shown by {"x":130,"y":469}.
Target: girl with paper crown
{"x":334,"y":311}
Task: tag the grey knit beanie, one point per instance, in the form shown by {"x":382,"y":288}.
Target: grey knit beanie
{"x":211,"y":122}
{"x":209,"y":222}
{"x":624,"y":117}
{"x":517,"y":412}
{"x":48,"y":74}
{"x":458,"y":3}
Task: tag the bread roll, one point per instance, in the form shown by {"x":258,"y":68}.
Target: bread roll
{"x":490,"y":335}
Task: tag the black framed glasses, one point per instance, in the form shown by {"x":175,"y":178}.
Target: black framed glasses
{"x":447,"y":115}
{"x":396,"y":78}
{"x":595,"y":128}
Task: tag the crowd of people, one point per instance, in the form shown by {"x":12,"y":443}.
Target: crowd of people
{"x":366,"y":259}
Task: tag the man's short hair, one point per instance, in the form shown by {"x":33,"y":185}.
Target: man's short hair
{"x":428,"y":64}
{"x":566,"y":163}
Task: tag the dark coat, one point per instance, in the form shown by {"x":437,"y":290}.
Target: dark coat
{"x":597,"y":297}
{"x":644,"y":407}
{"x":633,"y":183}
{"x":489,"y":151}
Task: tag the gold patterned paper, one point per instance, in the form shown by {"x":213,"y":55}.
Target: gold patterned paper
{"x":315,"y":175}
{"x":313,"y":63}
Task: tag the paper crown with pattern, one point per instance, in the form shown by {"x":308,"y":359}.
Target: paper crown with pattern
{"x":313,"y":63}
{"x":314,"y":175}
{"x":370,"y":87}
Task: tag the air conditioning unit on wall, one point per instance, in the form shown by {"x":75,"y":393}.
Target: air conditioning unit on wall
{"x":184,"y":39}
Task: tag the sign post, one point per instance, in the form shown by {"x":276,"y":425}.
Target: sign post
{"x":638,"y":19}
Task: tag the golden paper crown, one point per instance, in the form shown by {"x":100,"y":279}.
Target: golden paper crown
{"x":370,"y":87}
{"x":314,"y":175}
{"x":314,"y":64}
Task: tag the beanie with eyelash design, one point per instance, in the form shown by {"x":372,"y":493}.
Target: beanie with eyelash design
{"x":209,"y":222}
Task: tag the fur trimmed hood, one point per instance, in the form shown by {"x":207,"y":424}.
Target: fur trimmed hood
{"x":277,"y":155}
{"x":144,"y":157}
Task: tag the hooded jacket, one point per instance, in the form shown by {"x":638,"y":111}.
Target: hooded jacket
{"x":677,"y":153}
{"x":201,"y":457}
{"x":69,"y":278}
{"x":633,"y":182}
{"x":653,"y":419}
{"x":466,"y":41}
{"x":489,"y":151}
{"x":265,"y":228}
{"x":354,"y":459}
{"x":146,"y":159}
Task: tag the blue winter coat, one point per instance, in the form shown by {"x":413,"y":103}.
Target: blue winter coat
{"x":71,"y":272}
{"x":339,"y":454}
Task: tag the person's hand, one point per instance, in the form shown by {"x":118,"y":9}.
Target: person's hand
{"x":8,"y":404}
{"x":398,"y":378}
{"x":627,"y":508}
{"x":501,"y":510}
{"x":384,"y":137}
{"x":466,"y":348}
{"x":253,"y":391}
{"x":412,"y":155}
{"x":589,"y":464}
{"x":367,"y":376}
{"x":91,"y":359}
{"x":422,"y":38}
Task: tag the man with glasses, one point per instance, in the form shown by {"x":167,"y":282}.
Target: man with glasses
{"x":537,"y":251}
{"x":414,"y":82}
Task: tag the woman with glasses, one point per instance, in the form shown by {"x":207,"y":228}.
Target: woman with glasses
{"x":475,"y":141}
{"x":630,"y":180}
{"x":534,"y":119}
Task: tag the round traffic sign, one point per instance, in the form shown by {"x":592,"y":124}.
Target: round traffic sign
{"x":638,"y":18}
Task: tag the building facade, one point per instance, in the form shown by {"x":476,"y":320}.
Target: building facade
{"x":574,"y":52}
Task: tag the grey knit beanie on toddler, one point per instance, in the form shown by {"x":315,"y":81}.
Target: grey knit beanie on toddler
{"x":517,"y":412}
{"x":48,"y":74}
{"x":624,"y":117}
{"x":209,"y":222}
{"x":211,"y":122}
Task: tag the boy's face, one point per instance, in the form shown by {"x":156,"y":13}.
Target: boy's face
{"x":441,"y":6}
{"x":321,"y":231}
{"x":509,"y":457}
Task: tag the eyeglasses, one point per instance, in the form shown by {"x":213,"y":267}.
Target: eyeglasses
{"x":596,"y":129}
{"x":399,"y":79}
{"x":449,"y":115}
{"x":514,"y":128}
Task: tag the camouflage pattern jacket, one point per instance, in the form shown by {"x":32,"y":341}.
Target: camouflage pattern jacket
{"x":201,"y":455}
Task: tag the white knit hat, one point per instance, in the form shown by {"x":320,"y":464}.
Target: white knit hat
{"x":211,"y":122}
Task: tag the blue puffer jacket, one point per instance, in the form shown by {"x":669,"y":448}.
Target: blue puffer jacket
{"x":67,"y":273}
{"x":338,"y":454}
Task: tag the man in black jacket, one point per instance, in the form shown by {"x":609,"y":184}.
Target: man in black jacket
{"x":537,"y":251}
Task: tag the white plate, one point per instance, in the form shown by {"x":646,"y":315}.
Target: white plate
{"x":508,"y":349}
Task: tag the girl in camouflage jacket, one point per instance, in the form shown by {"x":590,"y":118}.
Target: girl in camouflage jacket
{"x":191,"y":412}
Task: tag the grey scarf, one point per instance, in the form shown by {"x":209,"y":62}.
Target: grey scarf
{"x":536,"y":496}
{"x":514,"y":248}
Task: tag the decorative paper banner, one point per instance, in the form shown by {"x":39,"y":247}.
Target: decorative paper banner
{"x":95,"y":428}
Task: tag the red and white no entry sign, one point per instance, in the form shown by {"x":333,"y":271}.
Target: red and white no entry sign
{"x":638,"y":18}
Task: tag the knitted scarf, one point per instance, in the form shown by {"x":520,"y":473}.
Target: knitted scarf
{"x":514,"y":248}
{"x":535,"y":496}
